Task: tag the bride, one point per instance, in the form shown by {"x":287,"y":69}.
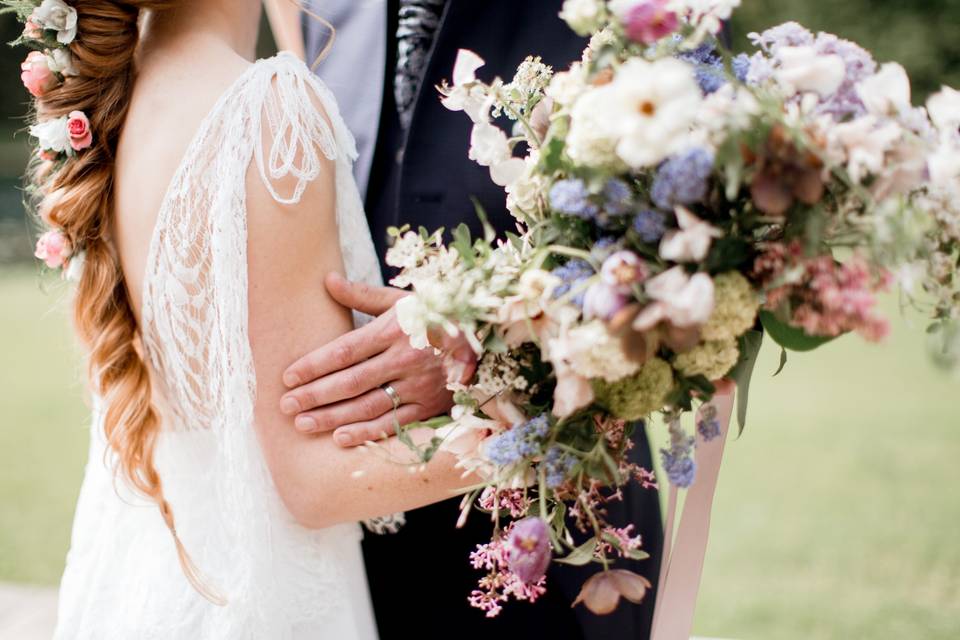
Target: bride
{"x":212,"y":200}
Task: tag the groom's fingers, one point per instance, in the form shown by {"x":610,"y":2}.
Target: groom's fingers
{"x":370,"y":405}
{"x":344,"y":384}
{"x":346,"y":351}
{"x":363,"y":297}
{"x":352,"y":435}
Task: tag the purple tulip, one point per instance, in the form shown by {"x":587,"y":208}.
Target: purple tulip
{"x":528,"y":549}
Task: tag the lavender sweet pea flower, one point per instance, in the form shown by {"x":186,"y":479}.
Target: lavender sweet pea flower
{"x":603,"y":301}
{"x":528,"y":549}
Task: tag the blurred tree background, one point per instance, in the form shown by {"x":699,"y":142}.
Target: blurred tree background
{"x":851,"y":533}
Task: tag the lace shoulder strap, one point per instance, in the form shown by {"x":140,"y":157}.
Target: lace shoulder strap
{"x":299,"y":121}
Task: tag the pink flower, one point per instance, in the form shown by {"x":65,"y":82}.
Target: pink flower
{"x":36,"y":75}
{"x":31,"y":29}
{"x":650,"y":21}
{"x":603,"y":301}
{"x":53,"y":248}
{"x":78,"y":127}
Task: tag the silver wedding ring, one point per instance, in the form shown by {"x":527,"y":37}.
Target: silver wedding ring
{"x":392,"y":394}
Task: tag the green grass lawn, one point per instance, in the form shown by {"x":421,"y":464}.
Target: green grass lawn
{"x":836,"y":517}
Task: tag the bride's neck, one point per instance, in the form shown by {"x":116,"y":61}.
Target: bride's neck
{"x":235,"y":23}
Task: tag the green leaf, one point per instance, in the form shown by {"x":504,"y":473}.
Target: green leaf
{"x":783,"y":362}
{"x":743,"y":371}
{"x":551,"y":156}
{"x":489,"y":233}
{"x":463,"y":244}
{"x":581,"y":555}
{"x":789,"y":337}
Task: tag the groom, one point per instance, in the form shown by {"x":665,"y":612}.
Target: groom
{"x":413,"y":168}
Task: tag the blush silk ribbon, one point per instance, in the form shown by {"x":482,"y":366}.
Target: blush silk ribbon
{"x":681,"y":566}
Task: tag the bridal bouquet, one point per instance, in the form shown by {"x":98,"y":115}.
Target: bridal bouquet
{"x":674,"y":202}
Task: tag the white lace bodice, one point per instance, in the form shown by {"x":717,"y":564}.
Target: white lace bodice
{"x":280,"y":581}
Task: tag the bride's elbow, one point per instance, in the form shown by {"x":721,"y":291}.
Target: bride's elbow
{"x":309,"y":511}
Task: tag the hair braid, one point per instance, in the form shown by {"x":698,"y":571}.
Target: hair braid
{"x":76,"y":197}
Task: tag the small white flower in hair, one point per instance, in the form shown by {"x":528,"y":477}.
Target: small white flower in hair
{"x":57,"y":15}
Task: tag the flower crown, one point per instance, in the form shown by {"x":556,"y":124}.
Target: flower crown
{"x":49,"y":28}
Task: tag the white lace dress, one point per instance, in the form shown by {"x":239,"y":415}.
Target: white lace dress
{"x":280,"y":581}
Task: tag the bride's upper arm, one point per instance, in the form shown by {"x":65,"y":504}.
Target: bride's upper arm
{"x":291,"y":247}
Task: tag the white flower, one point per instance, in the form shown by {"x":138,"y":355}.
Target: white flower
{"x":407,"y":252}
{"x":653,"y":105}
{"x":524,"y":194}
{"x":706,"y":15}
{"x":944,"y":109}
{"x":464,"y":438}
{"x":594,"y":129}
{"x":489,"y":147}
{"x":864,"y":144}
{"x":887,"y":92}
{"x":61,"y":61}
{"x":75,"y":267}
{"x":802,"y":69}
{"x":411,"y":316}
{"x":466,"y":95}
{"x":58,"y":16}
{"x":566,"y":86}
{"x":691,"y":242}
{"x":583,"y":16}
{"x":683,"y":300}
{"x":944,"y":164}
{"x":52,"y":135}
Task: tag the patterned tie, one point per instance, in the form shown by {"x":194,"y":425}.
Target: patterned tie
{"x":416,"y":30}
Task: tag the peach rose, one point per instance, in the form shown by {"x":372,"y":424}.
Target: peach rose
{"x":78,"y":127}
{"x":36,"y":75}
{"x":53,"y":248}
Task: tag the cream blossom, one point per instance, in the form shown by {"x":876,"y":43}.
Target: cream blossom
{"x":583,"y":16}
{"x":803,"y":69}
{"x":943,"y":164}
{"x":887,"y":92}
{"x":706,"y":15}
{"x":61,"y":61}
{"x":573,"y":390}
{"x":863,"y":144}
{"x":691,"y":242}
{"x":683,"y":300}
{"x":594,"y":129}
{"x":464,"y":438}
{"x":652,"y":105}
{"x":566,"y":86}
{"x":74,"y":270}
{"x":57,"y":15}
{"x":489,"y":147}
{"x":944,"y":109}
{"x":593,"y":352}
{"x":465,"y":95}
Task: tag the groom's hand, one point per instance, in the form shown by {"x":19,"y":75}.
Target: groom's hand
{"x":338,"y":387}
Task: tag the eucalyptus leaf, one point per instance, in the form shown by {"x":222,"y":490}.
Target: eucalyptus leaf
{"x":789,"y":337}
{"x":749,"y":344}
{"x":463,"y":244}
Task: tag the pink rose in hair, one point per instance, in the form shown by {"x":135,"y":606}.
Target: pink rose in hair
{"x":36,"y":74}
{"x":31,"y":29}
{"x":78,"y":127}
{"x":53,"y":248}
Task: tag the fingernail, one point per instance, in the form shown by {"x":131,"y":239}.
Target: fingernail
{"x":291,"y":380}
{"x":290,"y":406}
{"x":342,"y":438}
{"x":305,"y":423}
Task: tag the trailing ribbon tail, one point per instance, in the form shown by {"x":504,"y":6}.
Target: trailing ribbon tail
{"x":682,"y":563}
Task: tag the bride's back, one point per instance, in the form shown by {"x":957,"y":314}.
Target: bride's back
{"x":171,"y":97}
